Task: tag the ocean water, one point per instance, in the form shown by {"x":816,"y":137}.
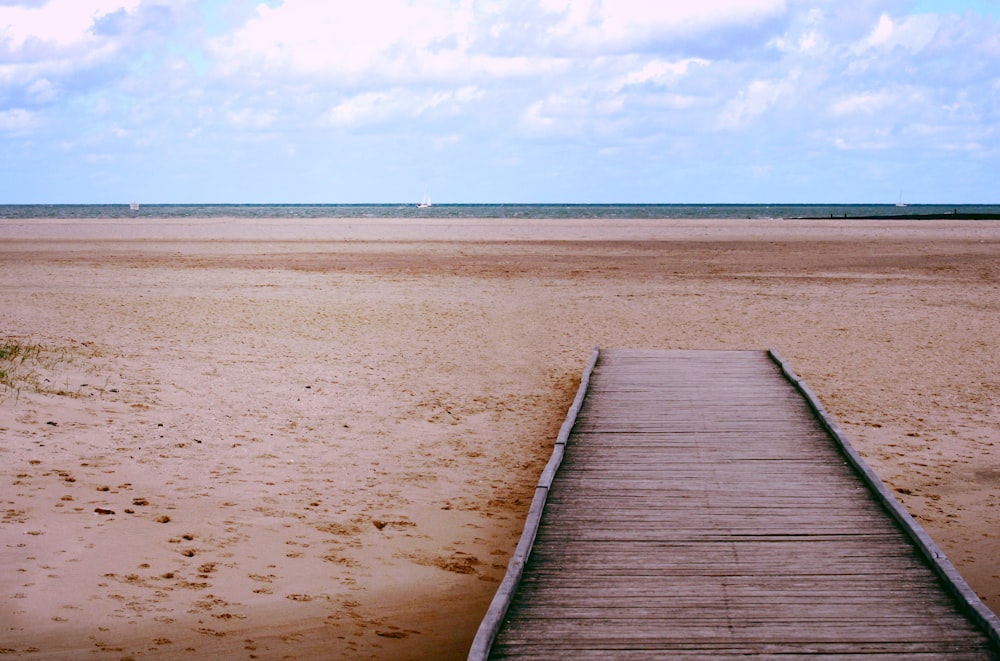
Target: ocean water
{"x":540,"y":211}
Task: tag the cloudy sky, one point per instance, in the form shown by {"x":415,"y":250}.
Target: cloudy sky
{"x":336,"y":101}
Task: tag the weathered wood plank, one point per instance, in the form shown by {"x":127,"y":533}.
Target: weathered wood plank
{"x":701,"y":509}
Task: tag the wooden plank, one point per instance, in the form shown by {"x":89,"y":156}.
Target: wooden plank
{"x":702,"y":508}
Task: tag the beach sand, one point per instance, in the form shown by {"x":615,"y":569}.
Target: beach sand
{"x":319,"y":439}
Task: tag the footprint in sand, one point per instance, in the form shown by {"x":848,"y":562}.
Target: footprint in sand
{"x":395,"y":632}
{"x":381,"y":525}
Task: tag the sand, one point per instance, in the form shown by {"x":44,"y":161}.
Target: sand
{"x":318,"y":439}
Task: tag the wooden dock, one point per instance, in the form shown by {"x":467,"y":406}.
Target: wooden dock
{"x":702,"y":504}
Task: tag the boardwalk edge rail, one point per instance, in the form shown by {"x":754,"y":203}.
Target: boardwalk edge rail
{"x":976,"y":609}
{"x":490,"y":625}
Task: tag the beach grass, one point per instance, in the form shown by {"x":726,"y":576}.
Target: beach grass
{"x":22,"y":364}
{"x":17,"y":365}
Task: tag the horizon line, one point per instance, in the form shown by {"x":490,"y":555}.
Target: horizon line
{"x":458,"y":204}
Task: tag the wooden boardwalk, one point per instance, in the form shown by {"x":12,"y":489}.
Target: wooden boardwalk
{"x":704,"y":507}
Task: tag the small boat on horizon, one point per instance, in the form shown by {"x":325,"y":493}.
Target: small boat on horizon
{"x":424,"y":203}
{"x":900,"y":203}
{"x":134,"y":206}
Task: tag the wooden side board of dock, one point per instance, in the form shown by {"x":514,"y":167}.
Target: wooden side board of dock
{"x":702,"y":504}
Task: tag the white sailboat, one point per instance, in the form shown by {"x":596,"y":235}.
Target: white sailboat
{"x":134,"y":206}
{"x":900,"y":203}
{"x":424,"y":203}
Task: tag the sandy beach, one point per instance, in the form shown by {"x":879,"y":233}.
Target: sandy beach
{"x":278,"y":439}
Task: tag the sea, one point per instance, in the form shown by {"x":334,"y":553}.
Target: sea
{"x":535,"y":211}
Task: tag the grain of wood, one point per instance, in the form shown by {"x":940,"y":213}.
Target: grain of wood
{"x":702,"y":510}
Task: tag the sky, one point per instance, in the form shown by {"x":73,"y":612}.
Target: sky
{"x":491,"y":101}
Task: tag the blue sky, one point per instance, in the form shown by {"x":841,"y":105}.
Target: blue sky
{"x":337,"y":101}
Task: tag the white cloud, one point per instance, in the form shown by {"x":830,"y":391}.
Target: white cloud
{"x":967,"y":146}
{"x":352,"y":41}
{"x":863,"y":138}
{"x":101,"y":107}
{"x":396,"y":41}
{"x":59,"y":38}
{"x":98,"y":158}
{"x":41,"y":91}
{"x":375,"y":107}
{"x":844,"y":144}
{"x":624,"y":23}
{"x":863,"y":102}
{"x":805,"y":37}
{"x":571,"y":59}
{"x":250,"y":118}
{"x":17,"y":120}
{"x":678,"y":101}
{"x":883,"y":32}
{"x":557,"y":114}
{"x":660,"y":72}
{"x":59,"y":22}
{"x":703,"y":13}
{"x":368,"y":107}
{"x":754,"y":100}
{"x":590,"y":77}
{"x":913,"y":33}
{"x":441,"y":143}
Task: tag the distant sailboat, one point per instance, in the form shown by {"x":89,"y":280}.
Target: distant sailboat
{"x":134,"y":206}
{"x":424,"y":203}
{"x":900,"y":203}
